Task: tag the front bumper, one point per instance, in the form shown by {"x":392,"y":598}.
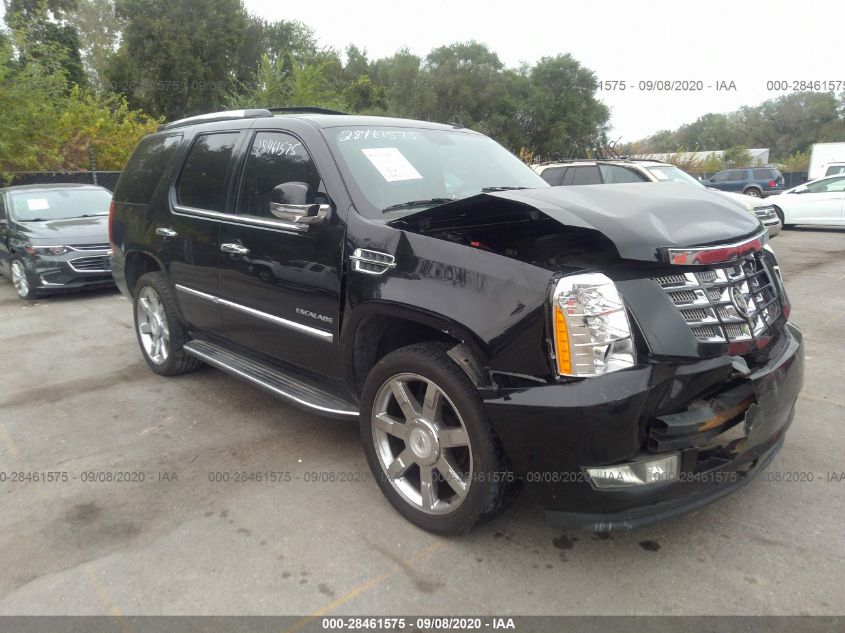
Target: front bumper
{"x":74,"y":270}
{"x":553,"y":432}
{"x":773,"y":228}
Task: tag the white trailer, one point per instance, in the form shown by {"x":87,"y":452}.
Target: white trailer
{"x":825,"y":157}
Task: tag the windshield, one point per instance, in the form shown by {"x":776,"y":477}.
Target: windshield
{"x":59,"y":204}
{"x":397,"y":171}
{"x":670,"y":173}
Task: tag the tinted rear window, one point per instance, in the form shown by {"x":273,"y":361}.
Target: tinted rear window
{"x":202,"y":183}
{"x":765,"y":174}
{"x":586,"y":176}
{"x":613,"y":174}
{"x":145,"y":168}
{"x":553,"y":175}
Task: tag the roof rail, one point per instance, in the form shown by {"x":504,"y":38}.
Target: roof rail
{"x":225,"y":115}
{"x":621,"y":159}
{"x":305,"y":109}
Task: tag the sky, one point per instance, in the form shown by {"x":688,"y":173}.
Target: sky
{"x":747,"y":44}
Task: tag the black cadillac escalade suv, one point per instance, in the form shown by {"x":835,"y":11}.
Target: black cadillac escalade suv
{"x":623,"y":353}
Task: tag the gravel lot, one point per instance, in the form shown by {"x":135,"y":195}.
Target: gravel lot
{"x":77,"y":398}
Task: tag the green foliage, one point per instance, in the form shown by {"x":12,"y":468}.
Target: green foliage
{"x":176,"y":57}
{"x":40,"y":37}
{"x":737,"y":156}
{"x":99,"y":28}
{"x":562,"y":111}
{"x":798,"y":161}
{"x":785,"y":125}
{"x":93,"y":67}
{"x":49,"y":124}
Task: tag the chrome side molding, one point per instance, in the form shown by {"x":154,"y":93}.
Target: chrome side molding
{"x":328,"y":337}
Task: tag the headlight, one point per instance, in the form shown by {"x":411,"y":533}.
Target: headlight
{"x":46,"y":250}
{"x":592,"y":335}
{"x":765,"y":213}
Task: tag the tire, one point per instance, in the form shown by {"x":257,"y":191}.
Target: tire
{"x":754,"y":192}
{"x":783,"y":223}
{"x":160,"y":333}
{"x":443,"y":426}
{"x":20,"y":279}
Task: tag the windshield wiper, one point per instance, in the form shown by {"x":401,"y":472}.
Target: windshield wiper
{"x":431,"y":202}
{"x":87,"y":215}
{"x":502,"y":188}
{"x":33,"y":220}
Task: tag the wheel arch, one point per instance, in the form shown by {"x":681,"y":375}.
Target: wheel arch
{"x":379,"y":328}
{"x":138,"y":263}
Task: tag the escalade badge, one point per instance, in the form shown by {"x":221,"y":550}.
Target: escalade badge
{"x":739,"y":301}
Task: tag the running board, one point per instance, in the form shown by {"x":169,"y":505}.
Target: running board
{"x":288,"y":386}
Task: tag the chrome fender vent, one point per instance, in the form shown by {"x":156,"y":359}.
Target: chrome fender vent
{"x":371,"y":262}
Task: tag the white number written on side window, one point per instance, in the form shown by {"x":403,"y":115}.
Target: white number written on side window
{"x":276,"y":148}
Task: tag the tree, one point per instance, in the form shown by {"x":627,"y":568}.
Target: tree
{"x":40,"y":34}
{"x":464,"y":78}
{"x":50,"y":125}
{"x":177,"y":57}
{"x":282,"y":81}
{"x":786,"y":124}
{"x":407,"y":92}
{"x":563,"y":111}
{"x":99,"y":29}
{"x":737,"y":156}
{"x":289,"y":40}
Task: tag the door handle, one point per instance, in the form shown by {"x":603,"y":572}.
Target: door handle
{"x":234,"y":249}
{"x":165,"y":231}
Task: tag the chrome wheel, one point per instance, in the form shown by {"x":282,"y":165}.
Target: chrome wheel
{"x":19,"y":279}
{"x":153,"y":330}
{"x":422,"y":443}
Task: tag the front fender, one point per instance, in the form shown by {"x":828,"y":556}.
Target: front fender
{"x":494,"y":304}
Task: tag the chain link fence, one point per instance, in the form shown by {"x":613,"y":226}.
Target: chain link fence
{"x":106,"y":179}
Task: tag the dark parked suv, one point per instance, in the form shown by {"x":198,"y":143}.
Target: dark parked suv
{"x":759,"y":181}
{"x":54,"y":237}
{"x":597,"y":345}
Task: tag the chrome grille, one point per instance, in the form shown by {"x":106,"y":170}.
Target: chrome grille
{"x":730,"y":302}
{"x":99,"y":263}
{"x":91,"y":247}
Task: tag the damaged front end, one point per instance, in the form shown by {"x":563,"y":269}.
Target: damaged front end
{"x":673,"y":372}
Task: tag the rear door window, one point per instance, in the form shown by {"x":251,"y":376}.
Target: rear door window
{"x":736,"y":174}
{"x":553,"y":175}
{"x":204,"y":179}
{"x":588,"y":175}
{"x":145,"y":167}
{"x":615,"y":174}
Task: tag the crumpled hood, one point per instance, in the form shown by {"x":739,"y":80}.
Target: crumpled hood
{"x":93,"y":230}
{"x":638,"y":218}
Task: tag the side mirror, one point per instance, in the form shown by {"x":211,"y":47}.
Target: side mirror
{"x":288,"y":202}
{"x":801,"y":189}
